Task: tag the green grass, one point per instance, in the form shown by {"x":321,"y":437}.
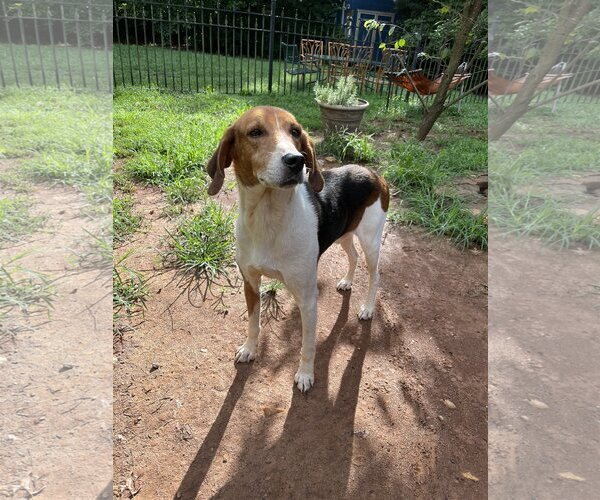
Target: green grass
{"x":125,"y":221}
{"x":130,"y":289}
{"x":421,"y":176}
{"x":23,"y":289}
{"x":15,"y":220}
{"x":545,"y":146}
{"x":203,"y":245}
{"x":348,"y":146}
{"x":60,"y":136}
{"x":81,"y":62}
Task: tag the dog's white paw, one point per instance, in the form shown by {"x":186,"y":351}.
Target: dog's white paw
{"x":246,"y":352}
{"x":344,"y":285}
{"x":304,"y":380}
{"x":365,"y":313}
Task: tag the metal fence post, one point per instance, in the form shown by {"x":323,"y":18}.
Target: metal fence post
{"x":271,"y":40}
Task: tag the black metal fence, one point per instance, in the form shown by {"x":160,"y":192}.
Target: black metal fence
{"x":194,"y":47}
{"x":56,"y":43}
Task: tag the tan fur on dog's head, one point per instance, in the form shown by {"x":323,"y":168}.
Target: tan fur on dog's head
{"x":254,"y":144}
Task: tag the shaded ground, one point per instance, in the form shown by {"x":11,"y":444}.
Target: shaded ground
{"x":56,"y":373}
{"x":375,"y":424}
{"x":544,"y":381}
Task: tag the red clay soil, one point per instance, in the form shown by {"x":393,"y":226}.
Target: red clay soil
{"x":55,"y":365}
{"x":544,"y":376}
{"x":399,"y":406}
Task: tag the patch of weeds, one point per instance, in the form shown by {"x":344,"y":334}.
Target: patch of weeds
{"x":270,"y":301}
{"x":418,"y":174}
{"x":348,"y":146}
{"x":97,"y":251}
{"x":125,"y":222}
{"x":24,"y":289}
{"x":447,"y":216}
{"x":203,"y":245}
{"x":130,"y":289}
{"x":546,"y":218}
{"x":15,"y":220}
{"x":186,"y":189}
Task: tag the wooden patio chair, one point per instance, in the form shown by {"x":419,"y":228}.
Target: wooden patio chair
{"x":311,"y":53}
{"x":339,"y":60}
{"x":361,"y":61}
{"x":501,"y":86}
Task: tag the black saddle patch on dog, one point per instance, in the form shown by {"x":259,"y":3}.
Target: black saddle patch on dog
{"x":346,"y":193}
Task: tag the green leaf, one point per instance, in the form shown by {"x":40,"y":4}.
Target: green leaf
{"x":444,"y":9}
{"x":392,"y":29}
{"x":401,"y":42}
{"x":382,"y":45}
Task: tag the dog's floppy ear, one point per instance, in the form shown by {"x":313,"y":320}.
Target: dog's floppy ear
{"x":219,"y":161}
{"x":315,"y":178}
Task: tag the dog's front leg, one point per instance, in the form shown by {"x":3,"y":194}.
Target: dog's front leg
{"x":247,"y":352}
{"x":306,"y":298}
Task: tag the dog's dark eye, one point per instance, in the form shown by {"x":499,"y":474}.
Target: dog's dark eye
{"x":255,"y":132}
{"x":295,"y":132}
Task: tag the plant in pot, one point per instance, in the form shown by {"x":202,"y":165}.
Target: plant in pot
{"x":341,"y":108}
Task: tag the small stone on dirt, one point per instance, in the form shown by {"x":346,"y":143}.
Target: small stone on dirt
{"x":203,"y":350}
{"x":360,"y":434}
{"x":269,"y":411}
{"x":571,"y":476}
{"x":154,"y":367}
{"x":449,"y":404}
{"x":537,"y":403}
{"x":330,"y":159}
{"x":469,"y":476}
{"x":65,"y":367}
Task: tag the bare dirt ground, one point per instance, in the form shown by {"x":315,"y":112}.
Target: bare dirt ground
{"x":544,"y":379}
{"x":399,"y":406}
{"x":55,"y":370}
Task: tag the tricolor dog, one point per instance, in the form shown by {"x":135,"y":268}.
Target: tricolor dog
{"x":290,"y":213}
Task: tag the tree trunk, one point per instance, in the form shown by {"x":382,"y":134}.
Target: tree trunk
{"x":471,"y":11}
{"x":571,"y":14}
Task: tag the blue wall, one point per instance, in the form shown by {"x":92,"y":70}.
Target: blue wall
{"x":379,"y":5}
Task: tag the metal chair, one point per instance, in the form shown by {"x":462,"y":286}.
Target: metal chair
{"x":292,"y":64}
{"x":311,"y":54}
{"x":361,"y":60}
{"x":339,"y":60}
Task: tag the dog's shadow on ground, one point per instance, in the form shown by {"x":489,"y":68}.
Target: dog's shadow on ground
{"x":312,"y":457}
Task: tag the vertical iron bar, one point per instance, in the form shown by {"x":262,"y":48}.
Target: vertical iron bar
{"x":145,"y":35}
{"x":248,"y":34}
{"x":170,"y":47}
{"x":126,"y":19}
{"x":262,"y":51}
{"x":37,"y":41}
{"x":210,"y":55}
{"x":255,"y":49}
{"x":22,"y":29}
{"x":226,"y":57}
{"x":196,"y":50}
{"x":161,"y":25}
{"x":93,"y":49}
{"x":271,"y":41}
{"x":137,"y":44}
{"x":78,"y":32}
{"x":51,"y":35}
{"x":120,"y":45}
{"x":280,"y":48}
{"x":10,"y":45}
{"x":179,"y":50}
{"x":154,"y":46}
{"x":233,"y":47}
{"x":107,"y":55}
{"x":187,"y":47}
{"x":241,"y":52}
{"x":65,"y":42}
{"x":219,"y":48}
{"x":202,"y":37}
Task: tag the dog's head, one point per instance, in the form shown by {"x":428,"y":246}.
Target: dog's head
{"x":266,"y":146}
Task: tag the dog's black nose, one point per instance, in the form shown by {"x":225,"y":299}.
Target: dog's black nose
{"x":294,"y":162}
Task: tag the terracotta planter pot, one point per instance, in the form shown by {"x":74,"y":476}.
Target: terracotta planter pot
{"x":338,"y":118}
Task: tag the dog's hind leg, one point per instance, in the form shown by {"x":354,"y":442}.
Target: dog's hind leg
{"x":369,"y":233}
{"x":247,"y":352}
{"x":347,"y":243}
